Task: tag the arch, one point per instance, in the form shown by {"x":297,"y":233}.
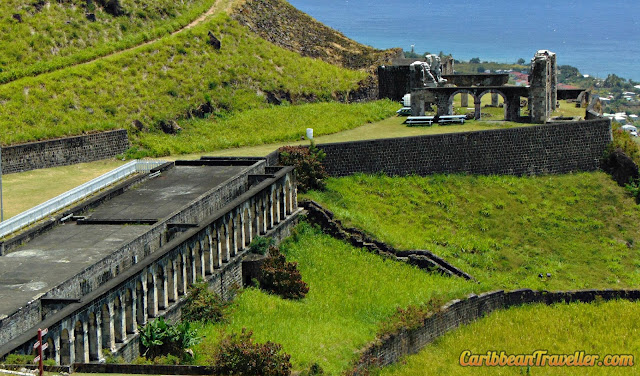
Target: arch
{"x":224,"y":241}
{"x":172,"y":288}
{"x":106,"y":327}
{"x":231,"y":235}
{"x":50,"y":352}
{"x":180,"y":274}
{"x":247,"y":226}
{"x":65,"y":347}
{"x":130,"y":318}
{"x":161,"y":286}
{"x":198,"y":260}
{"x":282,"y":199}
{"x":288,"y":196}
{"x":152,"y":297}
{"x":78,"y":341}
{"x":140,"y":306}
{"x":208,"y":253}
{"x":451,"y":98}
{"x":274,"y":207}
{"x":93,"y":340}
{"x":495,"y":91}
{"x":261,"y":216}
{"x":119,"y":333}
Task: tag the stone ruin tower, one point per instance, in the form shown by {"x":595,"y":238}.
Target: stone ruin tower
{"x":543,"y":82}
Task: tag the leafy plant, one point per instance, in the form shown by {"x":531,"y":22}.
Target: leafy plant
{"x":240,"y":355}
{"x":280,"y":277}
{"x":310,"y":172}
{"x":159,"y":338}
{"x":202,"y":304}
{"x":260,"y":245}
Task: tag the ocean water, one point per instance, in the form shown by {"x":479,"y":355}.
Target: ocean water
{"x":597,"y":37}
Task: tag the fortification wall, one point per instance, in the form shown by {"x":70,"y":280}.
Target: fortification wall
{"x":545,"y":149}
{"x":394,"y":346}
{"x":64,"y":151}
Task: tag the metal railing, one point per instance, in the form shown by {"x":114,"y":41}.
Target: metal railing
{"x":51,"y":206}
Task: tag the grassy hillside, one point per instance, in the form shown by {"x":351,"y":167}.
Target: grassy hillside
{"x":351,"y":293}
{"x":559,"y":329}
{"x":166,"y":80}
{"x":503,"y":230}
{"x":46,"y":35}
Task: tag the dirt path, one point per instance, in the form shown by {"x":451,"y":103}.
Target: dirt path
{"x":219,"y":5}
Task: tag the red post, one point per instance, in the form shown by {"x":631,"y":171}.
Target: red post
{"x":40,"y":364}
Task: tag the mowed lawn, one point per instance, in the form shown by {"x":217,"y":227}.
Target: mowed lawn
{"x":558,"y":329}
{"x":504,"y":230}
{"x":351,"y":293}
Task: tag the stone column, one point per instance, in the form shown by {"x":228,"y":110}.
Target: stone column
{"x":85,"y":339}
{"x":464,"y":100}
{"x":477,"y":105}
{"x":72,"y":345}
{"x":56,"y":345}
{"x":173,"y":286}
{"x":111,"y":345}
{"x":99,"y":337}
{"x":495,"y":101}
{"x":163,"y":299}
{"x":226,"y":241}
{"x":152,"y":295}
{"x":211,"y":264}
{"x":184,"y":281}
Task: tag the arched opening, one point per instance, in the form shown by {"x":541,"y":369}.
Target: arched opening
{"x":261,"y":216}
{"x":130,"y":326}
{"x":106,"y":328}
{"x":94,"y":345}
{"x":223,"y":232}
{"x":50,"y":352}
{"x":247,"y":227}
{"x":494,"y":105}
{"x":288,"y":198}
{"x":117,"y":320}
{"x":152,"y":301}
{"x":198,"y":260}
{"x":171,"y":282}
{"x":189,"y":258}
{"x":274,"y":208}
{"x":140,"y":297}
{"x":231,"y":235}
{"x":207,"y":252}
{"x":161,"y":285}
{"x":180,"y":274}
{"x":462,"y":103}
{"x":78,"y":341}
{"x":65,"y":348}
{"x":282,"y":203}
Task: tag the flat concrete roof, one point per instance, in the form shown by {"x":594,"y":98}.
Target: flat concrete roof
{"x":65,"y":251}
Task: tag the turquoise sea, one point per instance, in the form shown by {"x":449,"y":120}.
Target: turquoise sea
{"x":597,"y":37}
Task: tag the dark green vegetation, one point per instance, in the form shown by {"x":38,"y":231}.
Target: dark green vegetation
{"x":46,"y":35}
{"x":160,"y":339}
{"x":559,"y":329}
{"x":239,"y":354}
{"x":281,"y":277}
{"x":351,"y":292}
{"x":202,"y":305}
{"x":503,"y":230}
{"x":310,"y":173}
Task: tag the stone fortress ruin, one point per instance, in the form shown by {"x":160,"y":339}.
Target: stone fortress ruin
{"x":432,"y":82}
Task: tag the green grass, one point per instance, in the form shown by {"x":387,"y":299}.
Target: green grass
{"x":164,"y":80}
{"x":503,"y":230}
{"x":59,"y":34}
{"x":559,"y":329}
{"x":351,"y":292}
{"x":267,"y":126}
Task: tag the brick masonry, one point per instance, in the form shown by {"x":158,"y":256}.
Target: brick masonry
{"x":534,"y":150}
{"x":64,"y":151}
{"x":391,"y":347}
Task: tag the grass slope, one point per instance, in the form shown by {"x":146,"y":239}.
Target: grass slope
{"x":559,"y":329}
{"x":164,"y":80}
{"x":503,"y":230}
{"x":351,"y":293}
{"x":56,"y":34}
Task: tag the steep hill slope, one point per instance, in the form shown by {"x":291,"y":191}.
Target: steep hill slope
{"x":282,"y":24}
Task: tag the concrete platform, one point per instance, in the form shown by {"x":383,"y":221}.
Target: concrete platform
{"x":67,"y":250}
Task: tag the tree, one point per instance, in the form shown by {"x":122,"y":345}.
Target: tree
{"x":520,"y":61}
{"x":475,"y":60}
{"x":481,"y":69}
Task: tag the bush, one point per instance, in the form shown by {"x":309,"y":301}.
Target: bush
{"x":310,"y":172}
{"x":260,"y":245}
{"x":158,"y":338}
{"x":240,"y":355}
{"x":280,"y":277}
{"x":202,"y":304}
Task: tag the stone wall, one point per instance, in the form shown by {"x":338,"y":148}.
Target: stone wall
{"x":545,"y":149}
{"x":393,"y":82}
{"x":393,"y":346}
{"x":64,"y":151}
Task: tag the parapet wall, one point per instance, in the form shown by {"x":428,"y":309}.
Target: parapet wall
{"x":64,"y":151}
{"x":534,"y":150}
{"x":390,"y":348}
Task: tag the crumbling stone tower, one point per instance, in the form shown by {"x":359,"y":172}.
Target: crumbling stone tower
{"x":543,"y":82}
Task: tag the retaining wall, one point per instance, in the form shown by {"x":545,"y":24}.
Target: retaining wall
{"x":545,"y":149}
{"x":390,"y":348}
{"x":64,"y":151}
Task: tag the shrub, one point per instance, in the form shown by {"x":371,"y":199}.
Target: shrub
{"x":240,"y":355}
{"x":260,"y":245}
{"x":310,"y":172}
{"x":19,"y":359}
{"x":280,"y":277}
{"x":202,"y":304}
{"x":158,"y":338}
